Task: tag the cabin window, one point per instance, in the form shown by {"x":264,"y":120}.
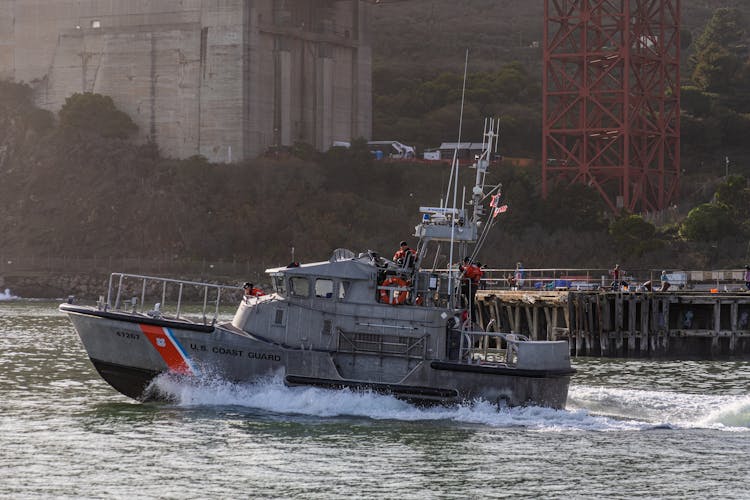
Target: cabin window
{"x":299,"y":287}
{"x":343,"y":289}
{"x":279,"y":286}
{"x":324,"y":288}
{"x":279,"y":319}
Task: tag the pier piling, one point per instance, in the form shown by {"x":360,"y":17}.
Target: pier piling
{"x":677,"y":325}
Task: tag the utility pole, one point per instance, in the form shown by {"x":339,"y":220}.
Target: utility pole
{"x":726,"y":166}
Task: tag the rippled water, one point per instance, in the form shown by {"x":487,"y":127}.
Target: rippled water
{"x":632,"y":429}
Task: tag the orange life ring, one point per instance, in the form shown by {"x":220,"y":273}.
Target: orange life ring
{"x":399,"y":296}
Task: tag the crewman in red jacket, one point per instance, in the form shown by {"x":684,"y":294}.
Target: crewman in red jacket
{"x":252,"y":291}
{"x":405,"y":256}
{"x":472,"y":276}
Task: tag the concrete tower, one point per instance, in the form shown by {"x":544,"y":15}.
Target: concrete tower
{"x":222,"y":78}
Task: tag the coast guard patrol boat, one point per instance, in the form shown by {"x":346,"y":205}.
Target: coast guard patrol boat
{"x":356,"y":321}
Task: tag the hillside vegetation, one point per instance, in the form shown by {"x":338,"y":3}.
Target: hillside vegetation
{"x":431,"y":36}
{"x":73,"y":184}
{"x":73,"y":190}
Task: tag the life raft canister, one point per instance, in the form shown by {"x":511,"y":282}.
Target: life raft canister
{"x":399,"y":296}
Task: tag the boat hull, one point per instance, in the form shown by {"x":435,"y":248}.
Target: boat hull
{"x":130,"y":381}
{"x":130,"y":350}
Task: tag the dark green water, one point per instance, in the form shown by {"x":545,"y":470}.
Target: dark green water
{"x":632,"y":429}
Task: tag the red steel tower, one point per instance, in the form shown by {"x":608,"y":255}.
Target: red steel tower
{"x":612,"y":99}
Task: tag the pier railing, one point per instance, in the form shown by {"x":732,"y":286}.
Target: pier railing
{"x":579,"y":279}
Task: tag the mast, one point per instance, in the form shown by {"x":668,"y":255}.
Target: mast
{"x":456,"y":224}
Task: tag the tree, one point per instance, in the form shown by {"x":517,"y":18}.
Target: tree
{"x":633,"y":235}
{"x":719,"y":51}
{"x":574,"y":205}
{"x":700,"y":135}
{"x":716,"y":69}
{"x":735,"y":127}
{"x":725,"y":28}
{"x":96,"y":113}
{"x":735,"y":195}
{"x":695,"y":101}
{"x":708,"y":222}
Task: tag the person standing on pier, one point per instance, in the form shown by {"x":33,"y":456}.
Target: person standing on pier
{"x":519,"y":275}
{"x":664,"y":282}
{"x":511,"y":279}
{"x":747,"y":277}
{"x":616,"y":277}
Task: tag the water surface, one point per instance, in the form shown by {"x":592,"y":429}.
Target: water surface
{"x":632,"y":429}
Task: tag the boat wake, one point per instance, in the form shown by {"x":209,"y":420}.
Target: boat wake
{"x":6,"y":295}
{"x":589,"y":409}
{"x":665,"y":409}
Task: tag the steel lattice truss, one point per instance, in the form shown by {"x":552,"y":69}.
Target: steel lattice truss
{"x":612,"y":99}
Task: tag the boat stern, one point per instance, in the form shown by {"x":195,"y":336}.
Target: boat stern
{"x":543,"y":355}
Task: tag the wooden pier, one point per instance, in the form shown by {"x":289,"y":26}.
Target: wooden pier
{"x":676,"y":325}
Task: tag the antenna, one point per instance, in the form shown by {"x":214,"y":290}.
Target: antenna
{"x":454,"y":169}
{"x":490,"y":141}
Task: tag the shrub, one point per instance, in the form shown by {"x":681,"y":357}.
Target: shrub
{"x":98,"y":114}
{"x":15,"y":93}
{"x":41,"y":120}
{"x":304,"y":151}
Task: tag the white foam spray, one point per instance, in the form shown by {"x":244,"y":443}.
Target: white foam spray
{"x":589,"y":409}
{"x":7,"y":295}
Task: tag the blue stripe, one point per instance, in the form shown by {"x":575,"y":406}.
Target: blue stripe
{"x":182,"y":350}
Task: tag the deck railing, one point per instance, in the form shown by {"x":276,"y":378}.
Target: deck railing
{"x":129,"y":292}
{"x":480,"y":346}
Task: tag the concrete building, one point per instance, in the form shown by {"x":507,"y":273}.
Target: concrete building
{"x":222,"y":78}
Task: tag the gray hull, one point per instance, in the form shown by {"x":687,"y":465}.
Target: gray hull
{"x":130,"y":350}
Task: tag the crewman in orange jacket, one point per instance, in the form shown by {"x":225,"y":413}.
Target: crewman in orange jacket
{"x":405,"y":256}
{"x":472,"y":275}
{"x":252,"y":291}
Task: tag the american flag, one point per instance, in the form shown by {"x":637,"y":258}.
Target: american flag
{"x":495,"y":201}
{"x":499,"y":210}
